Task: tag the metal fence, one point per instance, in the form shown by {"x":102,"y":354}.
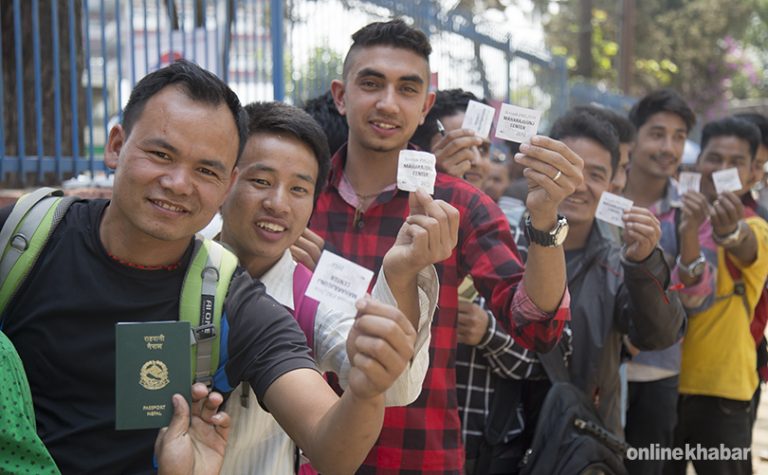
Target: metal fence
{"x":69,"y":65}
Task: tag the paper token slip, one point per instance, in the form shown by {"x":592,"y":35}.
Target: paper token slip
{"x":688,"y":181}
{"x":416,"y":170}
{"x":339,"y":283}
{"x":611,"y":208}
{"x":479,"y":117}
{"x":517,"y":124}
{"x":726,"y":180}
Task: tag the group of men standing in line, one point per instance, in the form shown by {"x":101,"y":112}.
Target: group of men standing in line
{"x":417,"y":365}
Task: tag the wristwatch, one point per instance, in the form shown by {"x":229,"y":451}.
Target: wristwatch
{"x":695,"y":268}
{"x":729,"y":239}
{"x":552,"y":238}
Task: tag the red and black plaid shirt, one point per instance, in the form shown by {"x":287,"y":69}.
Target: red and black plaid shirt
{"x":425,"y":437}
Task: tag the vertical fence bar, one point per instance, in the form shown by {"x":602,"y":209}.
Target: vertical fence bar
{"x":171,"y":11}
{"x":183,"y":28}
{"x":119,"y":49}
{"x":104,"y":95}
{"x":132,"y":33}
{"x":219,"y":56}
{"x":56,"y":85}
{"x":227,"y":38}
{"x":194,"y":33}
{"x":38,"y":87}
{"x":276,"y":31}
{"x":146,"y":38}
{"x":73,"y":89}
{"x":159,"y":39}
{"x":204,"y":6}
{"x":21,"y":148}
{"x":2,"y":111}
{"x":89,"y":93}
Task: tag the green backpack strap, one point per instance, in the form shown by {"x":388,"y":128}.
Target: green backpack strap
{"x":202,"y":303}
{"x":25,"y":234}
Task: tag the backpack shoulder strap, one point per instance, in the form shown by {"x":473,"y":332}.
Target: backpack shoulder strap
{"x":25,"y":234}
{"x":202,"y":303}
{"x":305,"y":308}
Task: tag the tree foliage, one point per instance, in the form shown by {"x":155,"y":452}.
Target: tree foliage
{"x":710,"y":50}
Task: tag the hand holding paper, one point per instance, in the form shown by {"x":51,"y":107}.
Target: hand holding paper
{"x":380,"y":347}
{"x":428,"y":236}
{"x":641,"y":235}
{"x":696,"y":210}
{"x":456,"y":150}
{"x":727,"y":211}
{"x":553,"y":171}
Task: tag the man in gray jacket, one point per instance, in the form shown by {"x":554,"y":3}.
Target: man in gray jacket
{"x":614,"y":290}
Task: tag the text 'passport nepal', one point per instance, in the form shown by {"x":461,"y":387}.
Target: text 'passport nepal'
{"x":152,"y":364}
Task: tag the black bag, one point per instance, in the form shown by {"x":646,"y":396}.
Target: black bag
{"x":569,"y":436}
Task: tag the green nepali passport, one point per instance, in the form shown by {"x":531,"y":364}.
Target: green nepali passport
{"x":152,"y":364}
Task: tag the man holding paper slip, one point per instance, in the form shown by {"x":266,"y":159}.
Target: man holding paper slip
{"x":284,"y":165}
{"x":717,"y":374}
{"x":384,"y":95}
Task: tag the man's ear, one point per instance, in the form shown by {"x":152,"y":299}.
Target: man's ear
{"x":337,"y":91}
{"x":117,"y":137}
{"x":428,"y":103}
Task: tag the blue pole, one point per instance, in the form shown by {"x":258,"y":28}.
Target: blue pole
{"x":146,"y":39}
{"x":277,"y":31}
{"x":104,"y":57}
{"x":219,"y":55}
{"x":73,"y":83}
{"x":119,"y":48}
{"x":194,"y":34}
{"x":182,"y":28}
{"x":205,"y":34}
{"x":159,"y":39}
{"x":38,"y":87}
{"x":21,"y":148}
{"x":171,"y":11}
{"x":2,"y":113}
{"x":227,"y":39}
{"x":56,"y":85}
{"x":133,"y":44}
{"x":89,"y":95}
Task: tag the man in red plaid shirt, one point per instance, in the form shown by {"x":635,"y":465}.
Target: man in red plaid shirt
{"x":384,"y":95}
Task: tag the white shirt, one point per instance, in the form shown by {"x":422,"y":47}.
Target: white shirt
{"x":257,"y":444}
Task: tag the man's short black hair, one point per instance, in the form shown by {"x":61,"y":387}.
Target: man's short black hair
{"x":662,"y":100}
{"x":395,"y":33}
{"x":732,"y":127}
{"x":624,"y":128}
{"x":323,"y":109}
{"x":448,"y":102}
{"x":196,"y":83}
{"x":281,"y":118}
{"x":759,"y":120}
{"x":578,"y":123}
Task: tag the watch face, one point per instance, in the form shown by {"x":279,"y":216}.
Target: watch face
{"x":698,"y":268}
{"x":561,"y":232}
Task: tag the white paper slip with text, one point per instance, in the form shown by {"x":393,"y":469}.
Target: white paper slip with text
{"x":339,"y":283}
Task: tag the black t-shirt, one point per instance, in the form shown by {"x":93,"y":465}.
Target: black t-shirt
{"x":62,"y":322}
